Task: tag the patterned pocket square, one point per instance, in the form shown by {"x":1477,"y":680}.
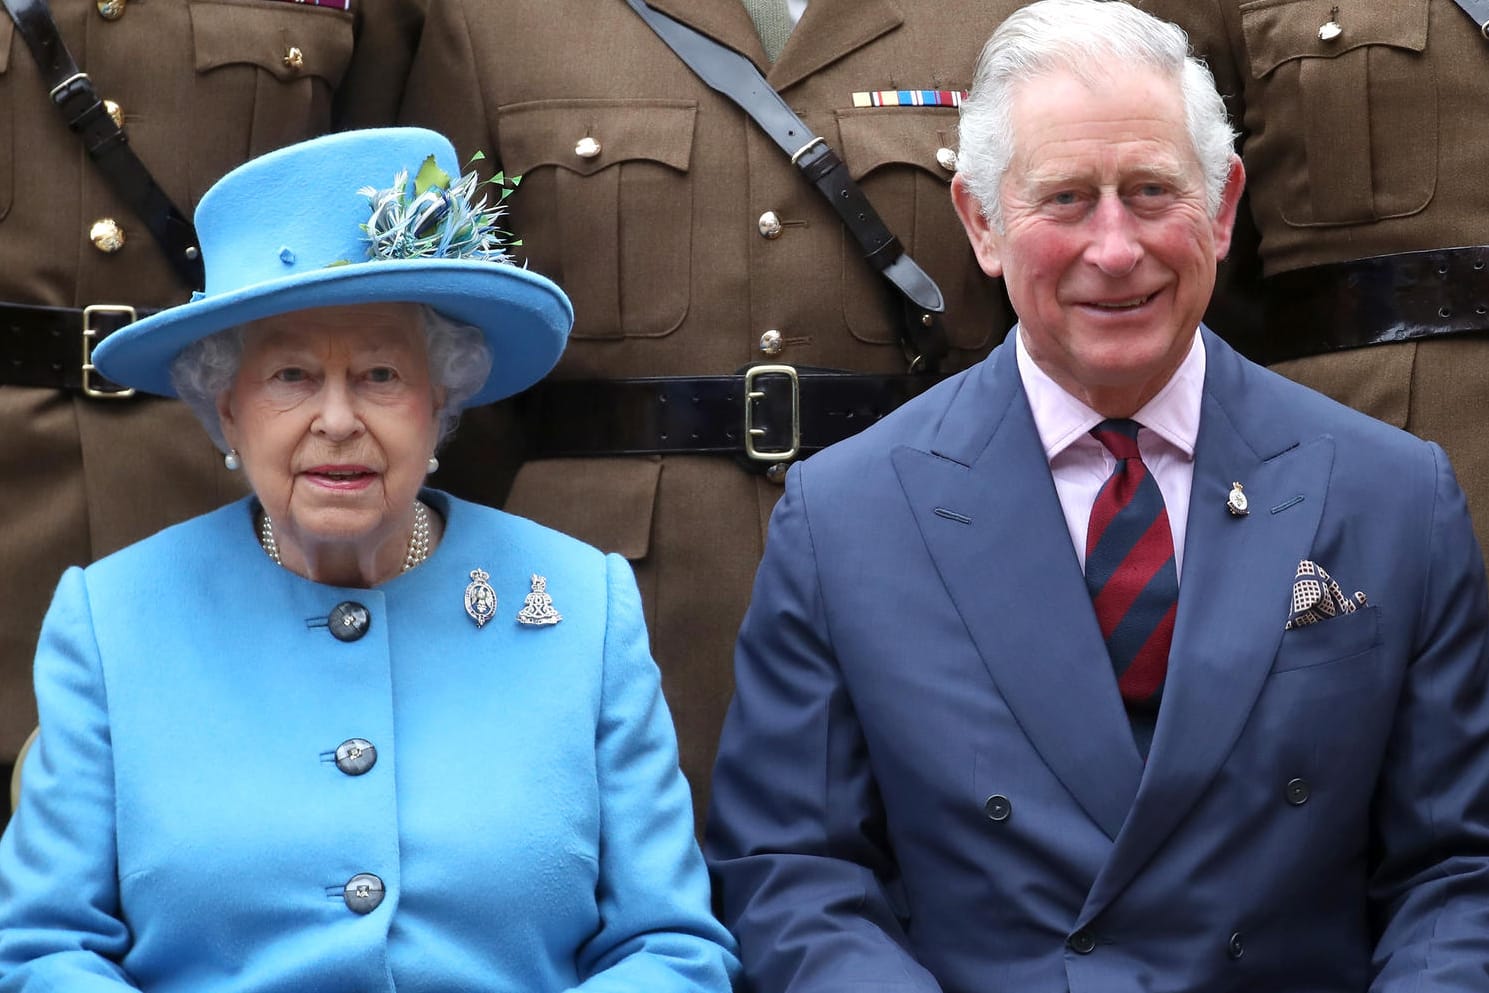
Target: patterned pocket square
{"x":1317,"y":597}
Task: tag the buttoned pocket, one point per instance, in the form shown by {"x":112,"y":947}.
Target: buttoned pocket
{"x":1334,"y":640}
{"x":7,"y":119}
{"x":1353,"y":116}
{"x":606,"y":207}
{"x":899,"y":156}
{"x":266,"y":72}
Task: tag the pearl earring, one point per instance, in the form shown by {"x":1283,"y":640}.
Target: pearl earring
{"x":232,"y":461}
{"x":432,"y":465}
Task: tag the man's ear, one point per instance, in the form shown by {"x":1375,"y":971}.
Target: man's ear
{"x":980,"y":231}
{"x":1230,"y":198}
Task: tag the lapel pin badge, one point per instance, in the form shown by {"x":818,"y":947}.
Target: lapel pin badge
{"x":1236,"y":502}
{"x":537,"y":606}
{"x":480,"y":598}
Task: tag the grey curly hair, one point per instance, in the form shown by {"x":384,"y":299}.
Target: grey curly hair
{"x":459,"y":362}
{"x":1080,"y":36}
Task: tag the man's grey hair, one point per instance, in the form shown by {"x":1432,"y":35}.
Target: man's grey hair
{"x":1083,"y":37}
{"x":459,"y":362}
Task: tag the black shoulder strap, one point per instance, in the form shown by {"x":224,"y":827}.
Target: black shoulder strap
{"x":736,"y":77}
{"x":72,"y":91}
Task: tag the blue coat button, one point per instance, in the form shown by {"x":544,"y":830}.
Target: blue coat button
{"x":355,"y":756}
{"x":362,"y":893}
{"x":349,"y":621}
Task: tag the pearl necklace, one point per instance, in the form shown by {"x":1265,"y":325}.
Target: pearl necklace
{"x":418,"y":540}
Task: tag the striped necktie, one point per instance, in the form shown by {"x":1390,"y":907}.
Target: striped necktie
{"x":1132,"y":576}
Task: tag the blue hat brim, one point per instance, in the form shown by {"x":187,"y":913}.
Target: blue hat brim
{"x":524,"y":317}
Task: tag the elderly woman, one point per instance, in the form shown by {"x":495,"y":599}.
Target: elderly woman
{"x":350,"y":733}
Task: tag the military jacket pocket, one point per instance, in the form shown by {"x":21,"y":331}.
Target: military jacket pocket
{"x":1351,"y":120}
{"x":899,"y":156}
{"x":606,"y":207}
{"x":266,"y":72}
{"x":7,"y":118}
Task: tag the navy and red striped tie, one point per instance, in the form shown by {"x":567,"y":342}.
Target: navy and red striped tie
{"x":1132,"y":576}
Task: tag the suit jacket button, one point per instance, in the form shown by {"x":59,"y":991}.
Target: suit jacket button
{"x":349,"y":621}
{"x":362,"y":893}
{"x":1298,"y":792}
{"x":1235,"y":948}
{"x":997,"y":807}
{"x":1083,"y":942}
{"x":355,"y":756}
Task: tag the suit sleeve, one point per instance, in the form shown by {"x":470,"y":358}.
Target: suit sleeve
{"x":656,"y":932}
{"x":1430,"y":885}
{"x":60,"y":926}
{"x":796,"y":842}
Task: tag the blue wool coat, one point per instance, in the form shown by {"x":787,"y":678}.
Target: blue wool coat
{"x":185,"y":826}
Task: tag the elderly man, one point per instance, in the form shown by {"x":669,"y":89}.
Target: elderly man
{"x":1116,"y":662}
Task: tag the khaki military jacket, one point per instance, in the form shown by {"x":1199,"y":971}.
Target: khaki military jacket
{"x":651,"y":200}
{"x":202,"y":85}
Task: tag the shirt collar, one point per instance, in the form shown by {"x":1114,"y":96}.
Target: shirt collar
{"x":1062,"y":420}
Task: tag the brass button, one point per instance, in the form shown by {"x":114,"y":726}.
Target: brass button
{"x":946,"y":159}
{"x":777,"y":472}
{"x":115,"y":112}
{"x":294,"y":58}
{"x":111,"y":10}
{"x":107,"y":236}
{"x":770,"y":225}
{"x":587,"y":148}
{"x":771,"y":342}
{"x":1330,"y":29}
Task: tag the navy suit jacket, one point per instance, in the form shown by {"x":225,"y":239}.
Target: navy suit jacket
{"x":927,"y":780}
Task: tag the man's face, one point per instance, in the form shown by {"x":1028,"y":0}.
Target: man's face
{"x":1108,"y":250}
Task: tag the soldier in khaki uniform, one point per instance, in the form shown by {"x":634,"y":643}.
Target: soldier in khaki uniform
{"x":200,"y":86}
{"x":1365,"y":162}
{"x":691,"y":247}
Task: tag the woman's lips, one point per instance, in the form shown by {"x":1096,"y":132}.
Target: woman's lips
{"x":341,"y":477}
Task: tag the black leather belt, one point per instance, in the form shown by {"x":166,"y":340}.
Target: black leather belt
{"x":1373,"y":301}
{"x":767,"y":415}
{"x":52,"y":347}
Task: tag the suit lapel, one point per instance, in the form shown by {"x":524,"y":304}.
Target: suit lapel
{"x":987,"y":508}
{"x":1233,"y":600}
{"x":829,"y":30}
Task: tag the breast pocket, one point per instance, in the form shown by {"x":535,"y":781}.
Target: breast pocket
{"x":266,"y":72}
{"x":606,"y":207}
{"x":1352,"y":119}
{"x":7,"y":119}
{"x":1336,"y":640}
{"x":899,"y":156}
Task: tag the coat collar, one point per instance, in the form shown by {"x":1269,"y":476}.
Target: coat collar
{"x":829,"y":30}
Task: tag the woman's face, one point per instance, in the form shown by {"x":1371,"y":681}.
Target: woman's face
{"x":334,"y":416}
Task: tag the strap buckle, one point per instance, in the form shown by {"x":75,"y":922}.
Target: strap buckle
{"x":752,"y":395}
{"x":94,"y":385}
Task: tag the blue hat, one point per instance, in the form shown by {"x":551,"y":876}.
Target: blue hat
{"x":353,"y":218}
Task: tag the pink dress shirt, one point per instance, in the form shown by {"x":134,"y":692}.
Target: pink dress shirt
{"x":1080,"y":464}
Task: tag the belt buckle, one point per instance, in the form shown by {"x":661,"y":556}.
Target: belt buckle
{"x":752,"y":395}
{"x":90,"y":338}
